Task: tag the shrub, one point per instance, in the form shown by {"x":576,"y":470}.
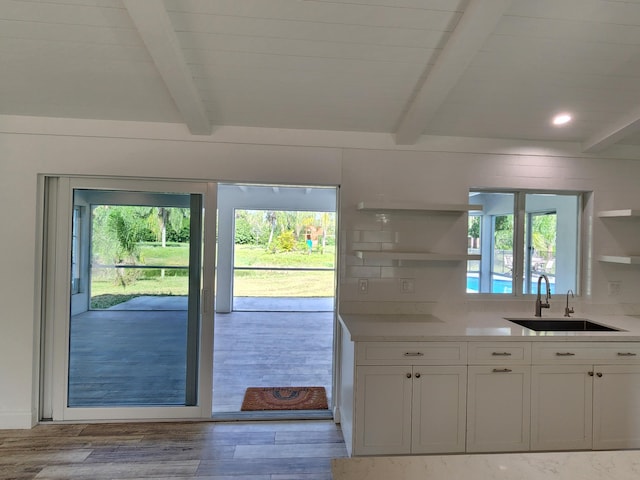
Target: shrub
{"x":286,"y":241}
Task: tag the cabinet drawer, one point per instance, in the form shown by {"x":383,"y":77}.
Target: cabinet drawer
{"x":411,"y":353}
{"x":515,"y":353}
{"x":586,"y":352}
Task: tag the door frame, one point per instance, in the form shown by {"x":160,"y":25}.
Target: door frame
{"x":55,"y":299}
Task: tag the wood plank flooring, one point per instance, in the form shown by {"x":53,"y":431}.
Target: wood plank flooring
{"x":270,"y":349}
{"x":172,"y":451}
{"x":135,"y":354}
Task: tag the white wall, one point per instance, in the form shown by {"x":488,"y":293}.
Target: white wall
{"x":366,"y":166}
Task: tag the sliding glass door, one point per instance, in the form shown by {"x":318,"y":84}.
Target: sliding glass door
{"x":136,"y":325}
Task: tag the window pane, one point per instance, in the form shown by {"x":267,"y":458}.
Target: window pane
{"x":551,"y":241}
{"x":502,"y":264}
{"x":490,"y":235}
{"x":473,"y":248}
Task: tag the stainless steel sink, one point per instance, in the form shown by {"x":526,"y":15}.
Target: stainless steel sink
{"x":562,"y":324}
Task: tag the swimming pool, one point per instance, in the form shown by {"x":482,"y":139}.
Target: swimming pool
{"x":502,"y":285}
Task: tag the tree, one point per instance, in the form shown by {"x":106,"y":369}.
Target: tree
{"x":503,"y":232}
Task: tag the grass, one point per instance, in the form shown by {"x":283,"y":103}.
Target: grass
{"x":258,"y":256}
{"x":106,"y":292}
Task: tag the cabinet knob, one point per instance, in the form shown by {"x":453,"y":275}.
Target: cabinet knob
{"x":408,"y":375}
{"x":417,"y":375}
{"x":501,"y":354}
{"x":590,"y":374}
{"x":414,"y":354}
{"x":626,"y":354}
{"x":599,"y":374}
{"x":565,"y":354}
{"x":502,"y":370}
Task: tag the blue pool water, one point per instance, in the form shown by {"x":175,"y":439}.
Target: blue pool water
{"x":499,"y":285}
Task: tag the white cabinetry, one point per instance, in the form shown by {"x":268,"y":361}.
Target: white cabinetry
{"x":400,"y":398}
{"x":584,"y":395}
{"x":498,"y":401}
{"x":409,"y":398}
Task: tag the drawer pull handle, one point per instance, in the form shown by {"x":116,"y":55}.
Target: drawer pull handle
{"x":413,"y":354}
{"x":565,"y":354}
{"x":626,"y":354}
{"x":502,"y":370}
{"x":501,"y":354}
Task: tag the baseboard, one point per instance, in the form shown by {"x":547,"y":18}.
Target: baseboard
{"x":22,"y":419}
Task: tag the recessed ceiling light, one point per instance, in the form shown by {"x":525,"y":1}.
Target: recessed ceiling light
{"x":561,"y":119}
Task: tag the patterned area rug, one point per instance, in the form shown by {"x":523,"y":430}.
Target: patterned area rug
{"x":285,"y":398}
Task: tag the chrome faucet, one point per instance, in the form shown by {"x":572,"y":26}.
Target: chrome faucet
{"x":539,"y":304}
{"x":567,"y":310}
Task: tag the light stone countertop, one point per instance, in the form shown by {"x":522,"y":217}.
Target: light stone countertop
{"x":481,"y":326}
{"x":614,"y":465}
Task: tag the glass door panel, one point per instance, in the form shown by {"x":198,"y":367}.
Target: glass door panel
{"x":134,"y":298}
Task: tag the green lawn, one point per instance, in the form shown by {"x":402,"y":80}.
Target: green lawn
{"x":256,"y":256}
{"x":107,"y":292}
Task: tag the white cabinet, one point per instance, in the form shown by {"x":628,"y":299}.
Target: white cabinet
{"x":408,"y":397}
{"x":578,"y":405}
{"x":498,"y":408}
{"x":616,"y":407}
{"x":383,"y":410}
{"x":439,"y":409}
{"x":561,"y":407}
{"x":402,"y":410}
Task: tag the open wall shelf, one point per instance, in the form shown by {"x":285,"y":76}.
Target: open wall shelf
{"x":621,"y":259}
{"x":625,"y":259}
{"x":625,"y":213}
{"x":373,"y":206}
{"x":416,"y":256}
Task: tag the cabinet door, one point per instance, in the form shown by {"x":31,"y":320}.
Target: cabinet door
{"x":561,"y":407}
{"x":383,"y":410}
{"x":439,"y":409}
{"x":498,"y":408}
{"x":616,"y":407}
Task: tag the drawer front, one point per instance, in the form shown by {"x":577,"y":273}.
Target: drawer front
{"x":483,"y":353}
{"x":411,"y":353}
{"x":586,"y":352}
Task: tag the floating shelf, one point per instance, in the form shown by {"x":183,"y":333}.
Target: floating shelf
{"x":417,"y":207}
{"x":629,"y":212}
{"x":419,"y":256}
{"x":626,"y":259}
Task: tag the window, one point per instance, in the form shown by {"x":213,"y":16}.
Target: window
{"x":521,"y":237}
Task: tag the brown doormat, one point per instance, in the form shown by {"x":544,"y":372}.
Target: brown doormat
{"x":285,"y":398}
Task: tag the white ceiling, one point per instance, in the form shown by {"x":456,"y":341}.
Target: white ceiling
{"x":472,"y":68}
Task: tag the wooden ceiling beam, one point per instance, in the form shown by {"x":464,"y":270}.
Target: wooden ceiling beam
{"x":476,"y":24}
{"x":153,"y":24}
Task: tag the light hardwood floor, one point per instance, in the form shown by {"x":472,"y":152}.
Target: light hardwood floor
{"x":172,"y":451}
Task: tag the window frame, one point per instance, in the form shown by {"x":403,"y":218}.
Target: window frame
{"x":520,"y":218}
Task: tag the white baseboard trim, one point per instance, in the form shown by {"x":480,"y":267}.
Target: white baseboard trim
{"x":19,"y":419}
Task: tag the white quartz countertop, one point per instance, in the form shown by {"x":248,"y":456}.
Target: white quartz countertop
{"x":481,"y":326}
{"x":616,"y":465}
